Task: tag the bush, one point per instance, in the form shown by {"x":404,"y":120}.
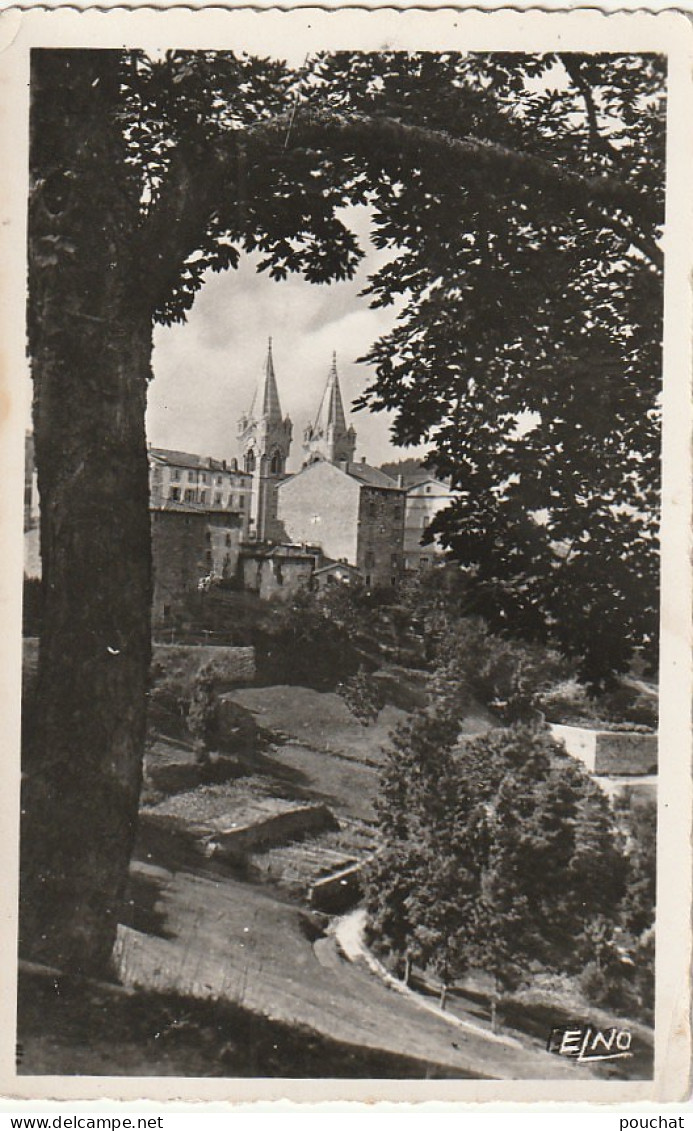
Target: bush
{"x":302,"y":645}
{"x":623,"y":709}
{"x":506,"y":676}
{"x":363,"y":696}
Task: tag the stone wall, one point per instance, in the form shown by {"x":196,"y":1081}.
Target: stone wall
{"x":338,"y":892}
{"x":233,"y":840}
{"x":623,"y":753}
{"x":320,"y":506}
{"x":607,"y":751}
{"x":276,"y":576}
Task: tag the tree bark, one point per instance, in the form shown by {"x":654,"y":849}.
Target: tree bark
{"x":90,"y":346}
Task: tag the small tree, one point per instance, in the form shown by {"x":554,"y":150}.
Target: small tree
{"x":203,"y":714}
{"x":512,"y":853}
{"x":363,"y":696}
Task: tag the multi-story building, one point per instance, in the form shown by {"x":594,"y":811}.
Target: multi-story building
{"x":424,"y":500}
{"x":211,"y":484}
{"x":190,"y":547}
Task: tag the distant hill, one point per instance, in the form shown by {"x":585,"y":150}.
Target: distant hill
{"x":411,"y":470}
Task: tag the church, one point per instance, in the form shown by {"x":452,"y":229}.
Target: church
{"x":348,"y":511}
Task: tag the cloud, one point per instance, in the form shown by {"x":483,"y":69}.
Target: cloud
{"x":206,"y":370}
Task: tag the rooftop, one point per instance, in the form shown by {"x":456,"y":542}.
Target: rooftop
{"x":188,"y":459}
{"x":370,"y":476}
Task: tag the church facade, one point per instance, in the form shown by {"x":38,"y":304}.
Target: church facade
{"x":351,"y":511}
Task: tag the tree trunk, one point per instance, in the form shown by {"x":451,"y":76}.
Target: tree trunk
{"x":443,"y":995}
{"x":90,"y":346}
{"x":407,"y":969}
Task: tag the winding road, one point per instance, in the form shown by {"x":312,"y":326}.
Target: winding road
{"x":208,"y":934}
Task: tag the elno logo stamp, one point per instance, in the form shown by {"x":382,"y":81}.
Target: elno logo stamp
{"x":583,"y":1042}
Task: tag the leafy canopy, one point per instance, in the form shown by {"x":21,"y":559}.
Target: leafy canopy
{"x":523,"y":197}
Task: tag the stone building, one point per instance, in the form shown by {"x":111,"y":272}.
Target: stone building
{"x":182,"y":477}
{"x":335,"y":573}
{"x":354,"y":512}
{"x":190,"y":546}
{"x":424,"y":500}
{"x":265,"y":438}
{"x":278,"y":572}
{"x":351,"y":511}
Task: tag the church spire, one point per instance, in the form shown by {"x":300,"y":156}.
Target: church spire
{"x":329,"y":438}
{"x":266,"y":397}
{"x":331,"y":411}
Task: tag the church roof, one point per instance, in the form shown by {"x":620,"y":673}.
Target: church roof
{"x":362,"y":472}
{"x":265,"y":401}
{"x":331,"y":410}
{"x":371,"y":476}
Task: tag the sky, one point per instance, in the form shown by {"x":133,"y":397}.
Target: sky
{"x":205,"y":371}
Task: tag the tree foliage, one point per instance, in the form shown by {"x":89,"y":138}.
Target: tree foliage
{"x":522,"y":238}
{"x":529,"y":351}
{"x":498,"y":855}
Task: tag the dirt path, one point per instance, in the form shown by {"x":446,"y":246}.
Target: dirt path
{"x":211,"y":935}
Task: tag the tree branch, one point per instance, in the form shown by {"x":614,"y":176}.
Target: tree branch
{"x":201,"y":173}
{"x":572,"y":67}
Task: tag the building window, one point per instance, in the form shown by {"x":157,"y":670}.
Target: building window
{"x":371,"y":508}
{"x":394,"y":561}
{"x":175,"y":474}
{"x":189,"y":495}
{"x":175,"y":494}
{"x":228,"y":539}
{"x":208,"y":536}
{"x":203,"y":496}
{"x":191,"y":477}
{"x":397,"y":512}
{"x":241,"y":502}
{"x":370,"y":559}
{"x":250,"y":461}
{"x":423,"y":561}
{"x":275,"y":463}
{"x":230,"y":503}
{"x":428,"y":490}
{"x":219,"y":481}
{"x":217,"y":499}
{"x":208,"y":557}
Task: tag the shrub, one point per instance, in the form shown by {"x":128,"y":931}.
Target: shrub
{"x":363,"y":696}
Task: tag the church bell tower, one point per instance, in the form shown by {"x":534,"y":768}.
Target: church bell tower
{"x":265,"y":438}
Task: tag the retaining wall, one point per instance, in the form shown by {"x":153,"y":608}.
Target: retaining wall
{"x":267,"y":832}
{"x":609,"y":752}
